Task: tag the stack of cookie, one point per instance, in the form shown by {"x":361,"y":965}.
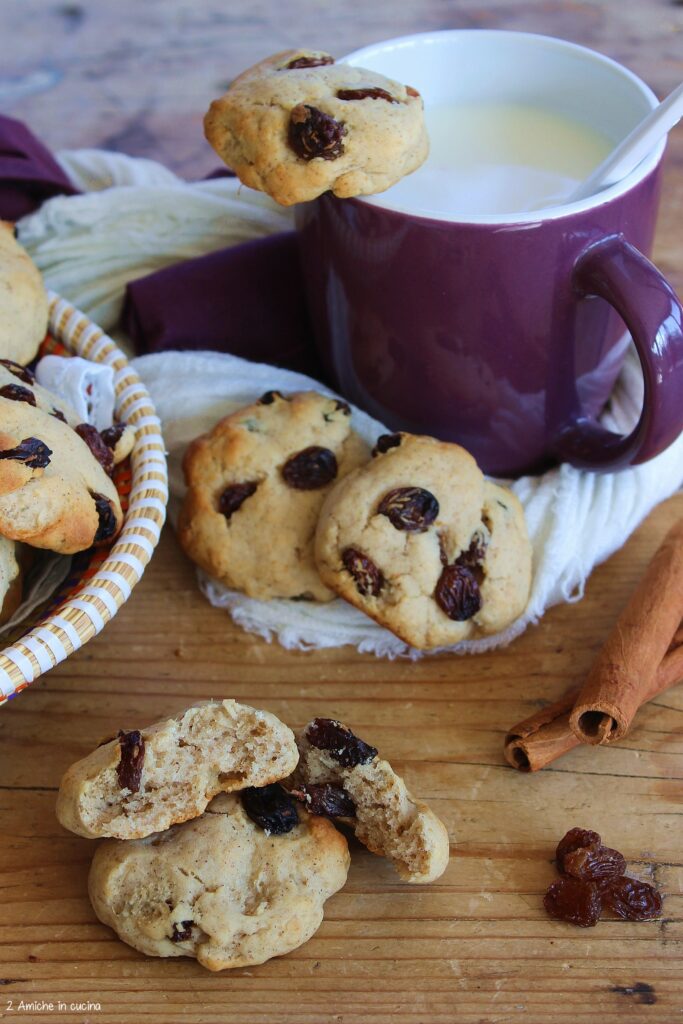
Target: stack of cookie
{"x":285,"y":500}
{"x":220,"y":843}
{"x":56,"y":490}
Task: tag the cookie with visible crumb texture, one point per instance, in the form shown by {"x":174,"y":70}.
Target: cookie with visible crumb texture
{"x":23,"y":300}
{"x":297,"y":125}
{"x":388,"y":819}
{"x":145,"y":781}
{"x":54,"y":493}
{"x":220,"y":888}
{"x":423,"y":544}
{"x":256,"y":484}
{"x":10,"y":579}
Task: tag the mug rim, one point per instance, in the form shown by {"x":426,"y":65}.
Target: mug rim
{"x":550,"y":213}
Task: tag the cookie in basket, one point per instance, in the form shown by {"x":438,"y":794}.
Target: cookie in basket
{"x":342,"y":776}
{"x":420,"y":542}
{"x":146,"y":780}
{"x":225,"y":888}
{"x":53,"y":492}
{"x":10,"y":579}
{"x":256,"y":484}
{"x":23,"y":300}
{"x":297,"y":125}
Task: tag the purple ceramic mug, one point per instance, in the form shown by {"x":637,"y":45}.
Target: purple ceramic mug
{"x":503,"y":332}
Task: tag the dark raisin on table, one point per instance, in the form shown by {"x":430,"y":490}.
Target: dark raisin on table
{"x":17,"y":393}
{"x":271,"y":808}
{"x":313,"y":133}
{"x":33,"y":452}
{"x":341,"y":744}
{"x":131,"y":762}
{"x":326,"y":799}
{"x":457,"y":593}
{"x":98,"y":448}
{"x":310,"y":469}
{"x":575,"y":839}
{"x":22,"y":372}
{"x":632,"y":899}
{"x":233,"y":497}
{"x":411,"y":509}
{"x":600,"y":865}
{"x":369,"y":579}
{"x":570,"y":899}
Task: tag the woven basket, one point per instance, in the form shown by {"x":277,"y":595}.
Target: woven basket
{"x":99,"y":595}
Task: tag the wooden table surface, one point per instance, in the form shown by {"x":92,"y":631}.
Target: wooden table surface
{"x":475,"y":947}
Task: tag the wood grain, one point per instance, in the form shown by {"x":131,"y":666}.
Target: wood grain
{"x":476,"y":947}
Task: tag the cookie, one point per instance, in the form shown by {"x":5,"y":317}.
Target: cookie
{"x":420,"y":542}
{"x":341,"y":775}
{"x":256,"y":484}
{"x":53,"y":492}
{"x":297,"y":125}
{"x":220,"y":888}
{"x":18,"y":383}
{"x":144,"y":781}
{"x":23,"y":300}
{"x":10,"y":579}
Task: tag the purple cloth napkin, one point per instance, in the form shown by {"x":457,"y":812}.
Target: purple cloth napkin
{"x":29,"y":174}
{"x":247,"y":300}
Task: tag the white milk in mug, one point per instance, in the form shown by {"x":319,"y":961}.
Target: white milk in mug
{"x":489,"y":158}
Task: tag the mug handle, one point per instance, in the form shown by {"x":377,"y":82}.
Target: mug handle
{"x":616,"y":271}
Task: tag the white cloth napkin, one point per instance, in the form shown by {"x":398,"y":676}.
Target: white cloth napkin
{"x":138,"y":217}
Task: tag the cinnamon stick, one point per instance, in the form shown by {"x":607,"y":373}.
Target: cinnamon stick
{"x":624,"y":671}
{"x":543,"y":737}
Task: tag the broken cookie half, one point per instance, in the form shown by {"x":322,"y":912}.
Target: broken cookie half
{"x":146,"y":780}
{"x":342,"y":777}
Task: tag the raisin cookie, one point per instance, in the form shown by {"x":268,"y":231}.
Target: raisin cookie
{"x":144,"y":781}
{"x":256,"y":484}
{"x":341,"y":776}
{"x":220,"y":888}
{"x":420,"y":542}
{"x":10,"y":579}
{"x":23,"y":300}
{"x":297,"y":124}
{"x":53,"y":492}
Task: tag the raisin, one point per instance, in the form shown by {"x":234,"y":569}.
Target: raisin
{"x":17,"y":393}
{"x":326,"y":799}
{"x":411,"y":91}
{"x":234,"y":496}
{"x":344,"y":746}
{"x":22,"y":372}
{"x":457,"y":593}
{"x":105,"y":511}
{"x":575,"y":839}
{"x":309,"y":62}
{"x":474,"y":555}
{"x":315,"y":134}
{"x":33,"y":453}
{"x":341,"y":406}
{"x":129,"y":768}
{"x":269,"y":397}
{"x":366,"y":94}
{"x":182,"y":931}
{"x":632,"y":900}
{"x":411,"y":509}
{"x":58,"y":415}
{"x":572,"y":900}
{"x":97,"y":446}
{"x":369,"y":579}
{"x":599,"y":865}
{"x":310,"y":469}
{"x":271,"y":808}
{"x":385,"y":442}
{"x":112,"y":435}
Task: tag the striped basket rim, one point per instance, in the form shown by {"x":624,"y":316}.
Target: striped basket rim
{"x":84,"y":614}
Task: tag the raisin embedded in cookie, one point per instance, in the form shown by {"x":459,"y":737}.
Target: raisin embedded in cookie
{"x":53,"y":492}
{"x":341,"y":776}
{"x":220,"y":888}
{"x":256,"y":484}
{"x":23,"y":301}
{"x":145,"y":780}
{"x":297,"y":124}
{"x":419,"y":541}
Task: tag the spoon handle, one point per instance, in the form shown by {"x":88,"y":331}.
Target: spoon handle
{"x":635,"y":147}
